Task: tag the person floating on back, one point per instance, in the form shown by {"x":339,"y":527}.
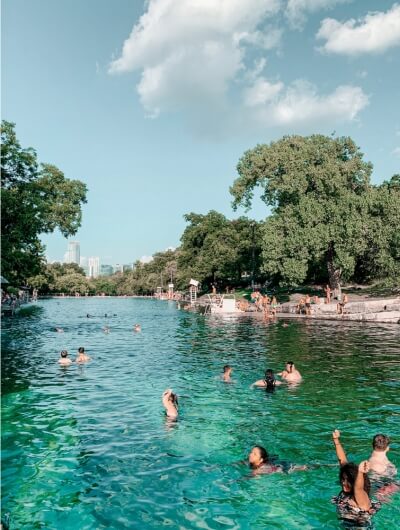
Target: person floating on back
{"x":64,"y":360}
{"x":269,"y":382}
{"x":82,"y":357}
{"x":226,"y":374}
{"x":170,"y":402}
{"x":290,"y":374}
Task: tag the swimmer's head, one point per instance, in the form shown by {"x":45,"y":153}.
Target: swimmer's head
{"x":269,"y":373}
{"x":258,"y":456}
{"x":347,"y":478}
{"x":380,"y":442}
{"x":64,"y":354}
{"x":289,"y":366}
{"x":227,"y":369}
{"x":81,"y":350}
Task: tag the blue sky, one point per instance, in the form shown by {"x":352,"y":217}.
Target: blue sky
{"x":152,"y":104}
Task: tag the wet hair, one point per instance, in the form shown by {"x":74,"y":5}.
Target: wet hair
{"x":263,"y":453}
{"x":269,"y":380}
{"x":173,"y":398}
{"x":64,"y":353}
{"x":349,"y":472}
{"x":380,"y":442}
{"x":226,"y":368}
{"x":290,"y":363}
{"x":81,"y":350}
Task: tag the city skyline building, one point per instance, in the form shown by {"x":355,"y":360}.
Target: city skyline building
{"x":93,"y":267}
{"x":73,"y":253}
{"x":106,"y":270}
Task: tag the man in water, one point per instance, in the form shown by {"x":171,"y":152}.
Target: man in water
{"x":290,"y":374}
{"x":226,"y":375}
{"x":82,"y":357}
{"x":137,"y":327}
{"x":64,"y":360}
{"x":170,"y":402}
{"x":378,"y":461}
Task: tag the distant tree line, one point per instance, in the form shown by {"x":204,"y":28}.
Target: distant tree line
{"x":328,"y":223}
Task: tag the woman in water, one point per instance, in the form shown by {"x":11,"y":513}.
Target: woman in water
{"x":260,"y":463}
{"x":353,"y":503}
{"x":269,"y":382}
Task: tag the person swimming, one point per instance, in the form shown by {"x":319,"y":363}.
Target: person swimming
{"x":137,"y":327}
{"x":260,"y":462}
{"x":269,"y":382}
{"x":226,"y":374}
{"x":106,"y":329}
{"x":64,"y":359}
{"x":82,"y":357}
{"x":170,"y":402}
{"x":59,"y":330}
{"x":290,"y":374}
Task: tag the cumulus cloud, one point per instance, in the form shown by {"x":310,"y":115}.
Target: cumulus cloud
{"x":297,"y":10}
{"x":396,"y":151}
{"x":300,"y":104}
{"x":206,"y":60}
{"x":374,"y":33}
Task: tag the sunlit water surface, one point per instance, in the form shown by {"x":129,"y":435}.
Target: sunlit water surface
{"x":89,"y":447}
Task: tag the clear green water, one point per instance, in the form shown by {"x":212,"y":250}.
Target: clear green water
{"x":89,"y":447}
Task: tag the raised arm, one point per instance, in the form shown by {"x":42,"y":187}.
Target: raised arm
{"x":360,"y":495}
{"x":341,"y":455}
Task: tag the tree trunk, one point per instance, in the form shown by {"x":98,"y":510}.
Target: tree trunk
{"x":334,"y":273}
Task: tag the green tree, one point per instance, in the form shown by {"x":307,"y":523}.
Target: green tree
{"x":215,"y":249}
{"x":324,"y":208}
{"x":36,"y":199}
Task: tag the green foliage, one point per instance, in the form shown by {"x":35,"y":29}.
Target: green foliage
{"x":215,"y":249}
{"x":325,"y":213}
{"x":34,"y":201}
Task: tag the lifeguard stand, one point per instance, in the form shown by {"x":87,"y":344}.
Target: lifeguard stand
{"x":193,"y":288}
{"x":170,"y":291}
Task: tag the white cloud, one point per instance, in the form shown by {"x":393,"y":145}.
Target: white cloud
{"x":146,"y":259}
{"x":300,"y":105}
{"x":374,"y":33}
{"x":261,"y":92}
{"x":205,"y":60}
{"x":396,"y":151}
{"x":297,"y":10}
{"x":190,"y":51}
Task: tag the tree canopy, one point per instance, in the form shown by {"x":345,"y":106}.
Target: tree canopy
{"x":36,"y":199}
{"x":327,"y":218}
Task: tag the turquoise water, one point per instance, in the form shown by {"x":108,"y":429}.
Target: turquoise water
{"x":88,"y":447}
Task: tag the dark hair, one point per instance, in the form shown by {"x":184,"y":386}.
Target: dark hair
{"x":263,"y":453}
{"x":81,"y":350}
{"x":64,"y":353}
{"x":290,"y":363}
{"x":350,"y":472}
{"x":226,"y":368}
{"x":380,"y":442}
{"x":269,"y":380}
{"x":174,"y":398}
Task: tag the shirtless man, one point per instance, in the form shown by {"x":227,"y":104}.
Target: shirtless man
{"x":82,"y":357}
{"x":290,"y":374}
{"x":378,"y":461}
{"x":226,"y":375}
{"x":170,"y":402}
{"x":64,"y":360}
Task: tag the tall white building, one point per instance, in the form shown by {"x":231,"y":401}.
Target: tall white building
{"x":94,"y":267}
{"x":73,"y":253}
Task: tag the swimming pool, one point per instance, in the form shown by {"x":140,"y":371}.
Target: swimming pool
{"x":89,"y":447}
